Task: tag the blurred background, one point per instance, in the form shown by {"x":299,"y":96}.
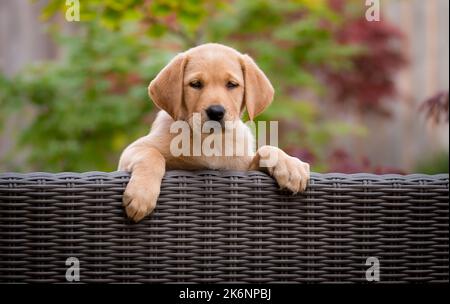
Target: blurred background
{"x":351,"y":95}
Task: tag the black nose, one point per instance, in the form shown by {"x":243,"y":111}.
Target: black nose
{"x":215,"y":112}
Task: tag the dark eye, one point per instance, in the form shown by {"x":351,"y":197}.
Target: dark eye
{"x":196,"y":84}
{"x":232,"y":85}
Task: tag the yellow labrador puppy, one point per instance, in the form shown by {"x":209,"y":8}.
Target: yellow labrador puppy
{"x":218,"y":83}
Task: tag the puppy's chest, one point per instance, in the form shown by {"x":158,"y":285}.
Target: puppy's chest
{"x":209,"y":162}
{"x":216,"y":159}
{"x":229,"y":150}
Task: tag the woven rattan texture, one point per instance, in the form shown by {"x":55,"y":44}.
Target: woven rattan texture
{"x":213,"y":226}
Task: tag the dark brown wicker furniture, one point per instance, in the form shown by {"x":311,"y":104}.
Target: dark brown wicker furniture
{"x":213,"y":226}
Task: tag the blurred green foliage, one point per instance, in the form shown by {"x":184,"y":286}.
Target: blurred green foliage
{"x":93,"y":102}
{"x":436,"y":164}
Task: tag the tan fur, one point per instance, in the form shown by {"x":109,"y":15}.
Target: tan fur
{"x":214,"y":65}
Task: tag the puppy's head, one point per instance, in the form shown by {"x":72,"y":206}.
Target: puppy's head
{"x":214,"y":80}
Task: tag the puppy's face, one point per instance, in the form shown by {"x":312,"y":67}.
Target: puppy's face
{"x":213,"y":84}
{"x":213,"y":80}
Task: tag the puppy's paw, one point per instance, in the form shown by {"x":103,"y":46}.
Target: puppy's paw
{"x":290,"y":172}
{"x":140,"y":198}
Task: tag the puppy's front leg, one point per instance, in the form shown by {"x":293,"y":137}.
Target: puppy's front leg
{"x":290,"y":172}
{"x":147,"y":167}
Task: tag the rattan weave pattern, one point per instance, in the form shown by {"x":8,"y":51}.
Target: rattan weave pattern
{"x":213,"y":226}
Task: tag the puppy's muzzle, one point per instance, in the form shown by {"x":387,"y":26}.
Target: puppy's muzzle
{"x":215,"y":112}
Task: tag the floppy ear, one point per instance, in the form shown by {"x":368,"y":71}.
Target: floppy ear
{"x":258,"y":92}
{"x":166,"y":90}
